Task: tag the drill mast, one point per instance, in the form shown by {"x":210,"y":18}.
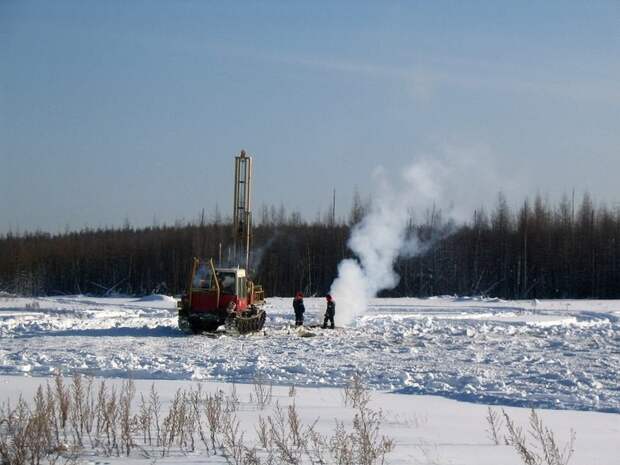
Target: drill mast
{"x":242,"y":212}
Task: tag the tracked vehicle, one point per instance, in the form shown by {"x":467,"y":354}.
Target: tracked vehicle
{"x":219,"y":296}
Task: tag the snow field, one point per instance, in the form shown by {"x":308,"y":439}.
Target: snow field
{"x":543,"y":354}
{"x":425,"y":429}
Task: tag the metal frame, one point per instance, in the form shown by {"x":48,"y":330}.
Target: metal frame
{"x":242,"y":208}
{"x":217,"y":283}
{"x":214,"y":279}
{"x":191,"y":280}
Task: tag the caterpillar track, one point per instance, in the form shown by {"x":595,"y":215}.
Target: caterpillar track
{"x":247,"y":322}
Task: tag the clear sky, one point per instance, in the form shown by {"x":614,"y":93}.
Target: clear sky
{"x":114,"y":110}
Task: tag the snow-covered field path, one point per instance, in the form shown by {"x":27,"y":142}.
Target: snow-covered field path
{"x":552,"y":354}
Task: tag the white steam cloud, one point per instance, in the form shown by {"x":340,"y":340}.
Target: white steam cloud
{"x":381,"y":237}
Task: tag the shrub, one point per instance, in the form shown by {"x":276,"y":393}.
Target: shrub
{"x":62,"y":418}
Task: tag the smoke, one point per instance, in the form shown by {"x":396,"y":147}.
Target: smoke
{"x":230,"y":259}
{"x":382,"y":235}
{"x":257,"y":254}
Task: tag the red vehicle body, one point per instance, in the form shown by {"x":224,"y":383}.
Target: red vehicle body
{"x":220,"y":295}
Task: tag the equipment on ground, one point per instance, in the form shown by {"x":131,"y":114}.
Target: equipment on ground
{"x":224,"y":295}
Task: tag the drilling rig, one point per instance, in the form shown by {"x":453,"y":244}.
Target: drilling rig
{"x":219,"y":295}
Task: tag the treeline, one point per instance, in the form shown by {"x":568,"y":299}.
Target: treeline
{"x":535,"y":251}
{"x":158,"y":259}
{"x":539,"y":251}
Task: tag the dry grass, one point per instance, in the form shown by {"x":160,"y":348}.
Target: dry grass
{"x":355,"y":394}
{"x":31,"y":434}
{"x":262,"y":392}
{"x":495,"y":423}
{"x":535,"y":445}
{"x":538,"y":446}
{"x":64,"y":419}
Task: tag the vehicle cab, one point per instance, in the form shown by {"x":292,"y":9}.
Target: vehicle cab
{"x":216,"y":288}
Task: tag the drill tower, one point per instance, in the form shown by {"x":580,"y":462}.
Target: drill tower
{"x":242,"y":212}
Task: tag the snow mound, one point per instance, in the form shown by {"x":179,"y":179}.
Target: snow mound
{"x":156,"y":298}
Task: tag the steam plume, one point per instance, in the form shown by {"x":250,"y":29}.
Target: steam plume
{"x":381,"y":237}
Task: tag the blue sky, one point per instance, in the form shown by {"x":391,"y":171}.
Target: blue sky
{"x":112,"y":109}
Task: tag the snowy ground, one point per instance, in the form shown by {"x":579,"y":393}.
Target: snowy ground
{"x":426,"y":430}
{"x":563,"y":355}
{"x":547,"y":354}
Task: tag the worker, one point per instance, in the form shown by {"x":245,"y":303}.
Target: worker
{"x":330,"y":312}
{"x":298,"y":307}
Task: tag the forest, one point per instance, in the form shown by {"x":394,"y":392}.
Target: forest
{"x":566,"y":250}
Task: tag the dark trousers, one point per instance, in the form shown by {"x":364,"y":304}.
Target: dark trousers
{"x":329,"y":318}
{"x":299,"y":318}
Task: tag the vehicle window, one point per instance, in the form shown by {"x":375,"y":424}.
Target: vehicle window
{"x":228,"y":281}
{"x":202,"y":278}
